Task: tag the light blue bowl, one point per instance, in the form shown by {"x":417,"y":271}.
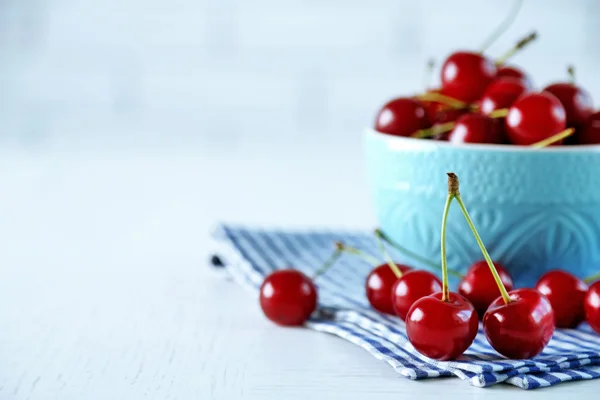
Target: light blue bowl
{"x":534,"y":209}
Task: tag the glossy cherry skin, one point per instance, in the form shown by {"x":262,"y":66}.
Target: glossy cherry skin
{"x":410,"y":287}
{"x":476,"y":128}
{"x":566,"y":294}
{"x":442,"y":330}
{"x":514,"y":72}
{"x":288,"y":297}
{"x":502,"y":93}
{"x":535,"y":117}
{"x":479,"y":286}
{"x":522,"y":328}
{"x":576,"y":100}
{"x":402,"y":117}
{"x":379,"y":284}
{"x":466,"y":75}
{"x":590,"y":132}
{"x":592,"y":306}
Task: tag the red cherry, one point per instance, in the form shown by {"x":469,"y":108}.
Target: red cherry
{"x":577,"y":102}
{"x":535,"y":117}
{"x":522,"y":328}
{"x":592,"y":306}
{"x":514,"y":72}
{"x":402,"y":117}
{"x":566,"y":294}
{"x":479,"y":286}
{"x":476,"y":128}
{"x":502,"y":93}
{"x":442,"y":330}
{"x":465,"y":75}
{"x":379,"y":286}
{"x":288,"y":297}
{"x":410,"y":287}
{"x":590,"y":133}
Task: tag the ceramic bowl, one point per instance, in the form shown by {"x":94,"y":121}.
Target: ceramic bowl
{"x":535,"y":210}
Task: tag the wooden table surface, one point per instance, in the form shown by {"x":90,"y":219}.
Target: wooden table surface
{"x":107,"y":294}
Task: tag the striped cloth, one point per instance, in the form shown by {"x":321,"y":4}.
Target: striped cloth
{"x":250,"y":254}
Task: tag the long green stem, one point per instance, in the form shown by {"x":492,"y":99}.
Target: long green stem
{"x":387,"y":257}
{"x":593,"y":278}
{"x":571,"y":73}
{"x":412,"y":254}
{"x":354,"y":251}
{"x":484,"y":251}
{"x":520,"y":45}
{"x":329,"y":263}
{"x":445,"y":290}
{"x":554,"y":138}
{"x":503,"y":25}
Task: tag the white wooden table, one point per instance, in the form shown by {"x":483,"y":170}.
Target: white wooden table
{"x":106,"y":291}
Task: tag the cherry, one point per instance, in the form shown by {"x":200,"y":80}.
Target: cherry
{"x":288,"y":297}
{"x":465,"y":75}
{"x":566,"y":293}
{"x":576,"y":100}
{"x":442,"y":329}
{"x":476,"y":128}
{"x":521,"y":328}
{"x":535,"y":117}
{"x":479,"y":286}
{"x":402,"y":117}
{"x":514,"y":72}
{"x":412,"y":286}
{"x":590,"y":133}
{"x":443,"y":325}
{"x":379,"y":285}
{"x":592,"y":306}
{"x":502,"y":93}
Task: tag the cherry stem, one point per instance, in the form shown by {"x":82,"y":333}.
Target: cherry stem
{"x":554,"y":138}
{"x":434,"y":130}
{"x":412,"y":254}
{"x":428,"y":73}
{"x":520,"y":45}
{"x":443,"y":99}
{"x":388,"y":259}
{"x":499,"y":113}
{"x":504,"y":25}
{"x":354,"y":251}
{"x":329,"y":263}
{"x":445,"y":290}
{"x":571,"y":73}
{"x":593,"y":278}
{"x":453,"y":189}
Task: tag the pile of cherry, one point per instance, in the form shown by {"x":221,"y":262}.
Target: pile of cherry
{"x":440,"y":324}
{"x":485,"y":101}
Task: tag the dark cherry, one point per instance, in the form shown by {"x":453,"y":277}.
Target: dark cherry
{"x":535,"y":117}
{"x":442,"y":330}
{"x":502,"y":93}
{"x":402,"y":117}
{"x":576,"y":101}
{"x":476,"y":128}
{"x":590,"y":132}
{"x":466,"y":75}
{"x":479,"y":286}
{"x":410,"y":287}
{"x":379,"y":286}
{"x":566,"y":294}
{"x":288,"y":297}
{"x":514,"y":72}
{"x":592,"y":306}
{"x":522,"y":328}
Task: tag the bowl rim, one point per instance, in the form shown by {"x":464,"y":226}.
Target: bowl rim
{"x":399,"y":141}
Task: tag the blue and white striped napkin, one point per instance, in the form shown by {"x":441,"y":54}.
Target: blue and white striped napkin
{"x":250,"y":254}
